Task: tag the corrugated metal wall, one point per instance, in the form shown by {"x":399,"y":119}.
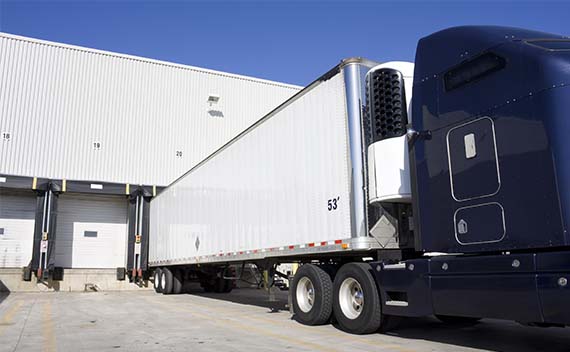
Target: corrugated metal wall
{"x":84,"y":114}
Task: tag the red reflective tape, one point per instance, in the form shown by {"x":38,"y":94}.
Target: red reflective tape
{"x":255,"y":251}
{"x":240,"y":252}
{"x":337,"y":241}
{"x":311,"y":244}
{"x":324,"y":243}
{"x":291,"y":247}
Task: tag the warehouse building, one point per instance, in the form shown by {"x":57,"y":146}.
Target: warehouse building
{"x":88,"y":137}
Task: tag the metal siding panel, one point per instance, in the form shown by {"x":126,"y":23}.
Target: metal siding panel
{"x":267,"y":189}
{"x":57,"y":100}
{"x":107,"y":215}
{"x":17,"y":218}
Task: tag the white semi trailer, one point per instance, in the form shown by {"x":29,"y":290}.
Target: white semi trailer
{"x":293,"y":187}
{"x":450,"y":203}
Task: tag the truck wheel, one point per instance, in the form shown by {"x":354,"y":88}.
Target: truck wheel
{"x":177,"y":282}
{"x":223,"y":285}
{"x":157,"y":278}
{"x":219,"y":285}
{"x":166,"y":281}
{"x":457,"y":321}
{"x":311,"y":292}
{"x":356,"y":302}
{"x":208,"y":288}
{"x":228,"y":286}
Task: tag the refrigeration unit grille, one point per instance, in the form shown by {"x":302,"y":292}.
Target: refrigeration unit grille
{"x":386,"y":104}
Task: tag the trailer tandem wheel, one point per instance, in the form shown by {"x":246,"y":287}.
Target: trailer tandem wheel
{"x":157,"y":278}
{"x":356,"y":302}
{"x":166,"y":281}
{"x":177,"y":281}
{"x":311,"y":293}
{"x":228,"y":285}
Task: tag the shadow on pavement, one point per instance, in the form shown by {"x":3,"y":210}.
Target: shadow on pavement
{"x":489,"y":335}
{"x":4,"y":292}
{"x":248,"y":296}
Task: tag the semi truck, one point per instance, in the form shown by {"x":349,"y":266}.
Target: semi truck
{"x":439,"y":187}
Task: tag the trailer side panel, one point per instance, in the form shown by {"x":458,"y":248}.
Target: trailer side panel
{"x":282,"y":185}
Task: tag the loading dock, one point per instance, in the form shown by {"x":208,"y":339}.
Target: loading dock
{"x":91,"y":231}
{"x":17,"y":213}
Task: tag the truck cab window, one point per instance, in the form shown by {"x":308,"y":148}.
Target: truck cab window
{"x":473,"y":70}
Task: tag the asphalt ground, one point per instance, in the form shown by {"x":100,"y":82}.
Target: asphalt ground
{"x":244,"y":320}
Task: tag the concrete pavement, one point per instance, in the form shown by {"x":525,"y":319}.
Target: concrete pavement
{"x":239,"y":321}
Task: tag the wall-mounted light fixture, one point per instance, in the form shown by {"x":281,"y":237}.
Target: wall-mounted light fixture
{"x":213,"y":98}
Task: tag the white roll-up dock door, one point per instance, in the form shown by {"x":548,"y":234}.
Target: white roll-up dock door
{"x":17,"y":213}
{"x":91,"y":231}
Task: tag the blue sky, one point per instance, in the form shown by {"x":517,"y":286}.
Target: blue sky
{"x":293,"y":42}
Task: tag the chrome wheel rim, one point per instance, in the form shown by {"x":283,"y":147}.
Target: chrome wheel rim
{"x":162,"y":281}
{"x":156,"y":279}
{"x":305,"y":294}
{"x":351,"y":298}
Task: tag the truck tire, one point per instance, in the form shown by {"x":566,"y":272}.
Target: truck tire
{"x":166,"y":281}
{"x":356,"y":302}
{"x":223,"y":285}
{"x":311,"y":293}
{"x":228,"y":286}
{"x":457,"y":321}
{"x":208,"y":288}
{"x":157,"y":278}
{"x":177,"y":282}
{"x":219,"y":285}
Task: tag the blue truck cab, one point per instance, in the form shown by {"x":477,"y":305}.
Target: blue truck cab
{"x":490,"y":177}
